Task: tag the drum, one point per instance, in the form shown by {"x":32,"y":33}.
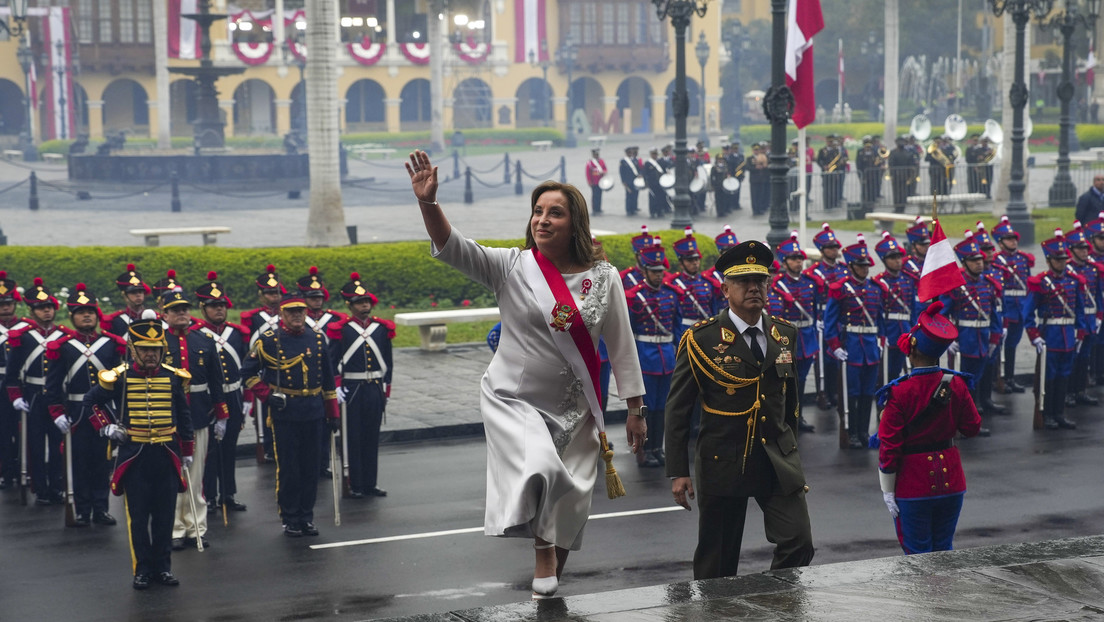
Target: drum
{"x":638,"y":183}
{"x":731,"y":185}
{"x":606,"y":183}
{"x":667,"y":180}
{"x":697,"y":184}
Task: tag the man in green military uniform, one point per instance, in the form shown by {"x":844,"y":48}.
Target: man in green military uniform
{"x":740,"y":364}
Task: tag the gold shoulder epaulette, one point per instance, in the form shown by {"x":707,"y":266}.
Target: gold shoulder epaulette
{"x":781,"y":320}
{"x":108,"y":377}
{"x":183,"y":373}
{"x":706,"y":322}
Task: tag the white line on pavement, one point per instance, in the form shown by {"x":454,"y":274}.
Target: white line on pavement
{"x":453,"y":532}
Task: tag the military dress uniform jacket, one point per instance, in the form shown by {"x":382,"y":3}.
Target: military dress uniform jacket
{"x":848,"y":326}
{"x":1017,"y":271}
{"x":1060,"y":304}
{"x":900,"y":309}
{"x":5,"y":331}
{"x":27,"y":364}
{"x":231,"y":347}
{"x":196,"y":352}
{"x":76,"y":365}
{"x":631,"y":277}
{"x":322,"y":321}
{"x":978,"y":326}
{"x":260,"y":320}
{"x":152,"y":407}
{"x":654,"y":316}
{"x":1092,"y":274}
{"x":297,"y":365}
{"x":798,"y":301}
{"x":747,"y":438}
{"x":117,"y":323}
{"x":698,"y":298}
{"x":362,"y":353}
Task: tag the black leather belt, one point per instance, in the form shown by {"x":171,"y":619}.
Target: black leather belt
{"x":927,"y":447}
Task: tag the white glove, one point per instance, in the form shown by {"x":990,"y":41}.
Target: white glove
{"x":993,"y":348}
{"x":891,"y":504}
{"x":1039,"y":344}
{"x":63,"y":424}
{"x":21,"y":404}
{"x":220,"y":429}
{"x":342,"y":393}
{"x":820,"y":325}
{"x":114,"y":432}
{"x":840,"y":354}
{"x":247,"y":408}
{"x":953,"y":348}
{"x":186,"y":461}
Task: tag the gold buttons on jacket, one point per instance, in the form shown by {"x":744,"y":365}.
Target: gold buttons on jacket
{"x":763,"y":440}
{"x":931,"y":473}
{"x":806,"y":488}
{"x":929,"y":458}
{"x":763,"y":419}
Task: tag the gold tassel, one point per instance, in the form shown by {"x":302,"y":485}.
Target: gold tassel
{"x":614,"y":487}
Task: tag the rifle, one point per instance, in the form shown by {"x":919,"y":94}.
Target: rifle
{"x":842,"y":407}
{"x":346,"y":486}
{"x":333,"y":479}
{"x":1040,"y":388}
{"x":258,"y":423}
{"x":999,"y":382}
{"x":24,"y":478}
{"x":222,"y":484}
{"x":822,"y":395}
{"x":70,"y":501}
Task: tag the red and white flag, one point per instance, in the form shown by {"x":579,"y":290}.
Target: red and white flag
{"x":531,"y":28}
{"x":940,"y":274}
{"x":805,"y":21}
{"x":183,"y":33}
{"x":1090,"y":65}
{"x":842,"y":82}
{"x":59,"y":86}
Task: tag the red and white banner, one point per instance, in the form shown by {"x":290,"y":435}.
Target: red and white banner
{"x":366,"y":52}
{"x":59,"y":105}
{"x":805,"y":21}
{"x":298,"y":41}
{"x":252,"y":52}
{"x":530,"y":28}
{"x":472,"y":52}
{"x":183,"y":32}
{"x":940,"y":274}
{"x":417,"y":53}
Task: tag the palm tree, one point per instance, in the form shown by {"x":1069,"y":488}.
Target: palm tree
{"x":326,"y":220}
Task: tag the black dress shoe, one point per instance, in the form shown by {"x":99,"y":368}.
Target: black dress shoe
{"x":355,"y":494}
{"x":293,"y":531}
{"x":376,"y":492}
{"x":103,"y":518}
{"x":1065,"y":424}
{"x":212,"y":507}
{"x":5,"y":483}
{"x":805,"y":427}
{"x":1071,"y":401}
{"x":230,"y":503}
{"x":82,"y":520}
{"x":1011,"y":386}
{"x":984,"y":432}
{"x":166,"y":578}
{"x":650,"y":460}
{"x":308,"y":529}
{"x":141,"y":582}
{"x":178,"y":544}
{"x":326,"y":473}
{"x":1050,"y":424}
{"x":854,"y":442}
{"x":44,"y":500}
{"x":1086,"y":400}
{"x":993,"y":408}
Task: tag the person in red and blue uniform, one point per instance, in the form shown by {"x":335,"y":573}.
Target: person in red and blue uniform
{"x":919,"y":239}
{"x":134,"y":291}
{"x":654,"y":316}
{"x":974,"y":309}
{"x":795,"y":297}
{"x":854,"y":332}
{"x":634,"y":275}
{"x":1095,"y":233}
{"x":900,"y":310}
{"x":9,"y":416}
{"x":1092,"y":275}
{"x":1054,"y":316}
{"x":263,"y":319}
{"x":825,"y":272}
{"x":984,"y":393}
{"x":724,"y":241}
{"x":698,"y":295}
{"x":1018,"y":266}
{"x":919,"y":467}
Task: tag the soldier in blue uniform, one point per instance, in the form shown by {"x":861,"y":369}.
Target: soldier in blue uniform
{"x":654,"y":316}
{"x":634,"y":275}
{"x":724,"y":241}
{"x":1017,"y":270}
{"x":290,"y":371}
{"x":75,"y":359}
{"x":25,"y":380}
{"x":314,"y":292}
{"x":825,"y":272}
{"x":167,"y":284}
{"x":191,"y":349}
{"x":975,"y":310}
{"x":795,"y":297}
{"x":153,"y":433}
{"x":360,"y":352}
{"x":984,"y":395}
{"x":698,"y":295}
{"x":1095,"y":232}
{"x":919,"y":239}
{"x":259,"y":321}
{"x":1054,"y":316}
{"x":854,"y":332}
{"x":134,"y":291}
{"x":1092,"y":276}
{"x":231,"y":345}
{"x":9,"y":416}
{"x":900,"y":310}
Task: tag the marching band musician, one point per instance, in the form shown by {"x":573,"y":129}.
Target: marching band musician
{"x":973,"y":163}
{"x":902,"y":173}
{"x":881,"y":160}
{"x":832,"y":162}
{"x":595,"y":171}
{"x":695,"y":160}
{"x":759,"y":179}
{"x":797,"y":296}
{"x":629,"y":171}
{"x":868,"y":170}
{"x":717,"y":176}
{"x":657,"y":196}
{"x":1017,"y":270}
{"x":698,"y":294}
{"x":736,"y":165}
{"x":941,"y":161}
{"x":1092,"y":277}
{"x":986,"y":154}
{"x":900,"y":309}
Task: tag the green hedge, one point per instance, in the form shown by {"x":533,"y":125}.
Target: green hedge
{"x":402,"y":274}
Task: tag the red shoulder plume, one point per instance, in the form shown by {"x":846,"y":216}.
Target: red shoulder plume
{"x":313,"y":270}
{"x":3,"y":274}
{"x":81,"y":287}
{"x":38,"y":281}
{"x":270,"y":268}
{"x":171,"y":274}
{"x":212,"y":275}
{"x":355,"y":276}
{"x":130,"y":267}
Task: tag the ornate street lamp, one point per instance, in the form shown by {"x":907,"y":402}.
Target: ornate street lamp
{"x":778,"y":106}
{"x":18,"y":16}
{"x":1021,"y":11}
{"x":1062,"y":191}
{"x":680,"y":12}
{"x":544,"y":64}
{"x":701,"y":50}
{"x":567,"y":55}
{"x":60,"y":69}
{"x":15,"y":27}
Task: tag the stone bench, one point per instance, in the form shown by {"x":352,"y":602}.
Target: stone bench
{"x":540,"y":145}
{"x":362,"y":151}
{"x":153,"y":236}
{"x":13,"y":154}
{"x":962,"y":201}
{"x":52,"y":157}
{"x":433,"y":325}
{"x":885,"y":220}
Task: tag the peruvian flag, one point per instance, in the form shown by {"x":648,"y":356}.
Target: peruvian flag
{"x":530,"y":26}
{"x":805,"y":21}
{"x":183,"y":32}
{"x":941,"y":273}
{"x":1090,"y":65}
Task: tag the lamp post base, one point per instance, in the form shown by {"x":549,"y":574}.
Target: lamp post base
{"x":1062,"y":193}
{"x":27,"y":146}
{"x":1023,"y":224}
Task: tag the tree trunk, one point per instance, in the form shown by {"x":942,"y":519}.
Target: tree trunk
{"x":891,"y":92}
{"x":161,"y":62}
{"x":326,"y":221}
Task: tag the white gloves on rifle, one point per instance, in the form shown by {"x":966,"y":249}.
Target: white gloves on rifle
{"x":21,"y":404}
{"x":247,"y":408}
{"x":63,"y":424}
{"x":1039,"y":344}
{"x":114,"y":432}
{"x":993,"y":348}
{"x":342,"y":394}
{"x":839,"y":354}
{"x":820,"y":325}
{"x":888,"y":484}
{"x":186,"y":461}
{"x":953,"y":348}
{"x":220,"y":429}
{"x":891,"y":504}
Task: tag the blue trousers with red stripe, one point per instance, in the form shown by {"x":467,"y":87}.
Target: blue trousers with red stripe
{"x":926,"y":525}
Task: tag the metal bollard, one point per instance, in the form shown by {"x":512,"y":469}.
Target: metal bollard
{"x":351,"y":230}
{"x":517,"y":185}
{"x":455,"y":164}
{"x":506,"y":169}
{"x":32,"y":202}
{"x":468,"y":198}
{"x":563,"y":170}
{"x":174,"y":183}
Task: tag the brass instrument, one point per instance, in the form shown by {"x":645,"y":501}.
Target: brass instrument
{"x":881,"y":158}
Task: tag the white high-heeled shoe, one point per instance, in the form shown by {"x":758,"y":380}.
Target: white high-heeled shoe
{"x":545,"y":587}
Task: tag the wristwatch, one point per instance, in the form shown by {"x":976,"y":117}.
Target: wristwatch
{"x":641,"y":412}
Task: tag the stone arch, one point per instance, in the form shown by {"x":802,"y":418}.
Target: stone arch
{"x":634,"y":101}
{"x":299,"y":108}
{"x":182,"y":107}
{"x":80,"y":110}
{"x":365,"y":110}
{"x":13,"y":111}
{"x":415,"y":111}
{"x":126,"y":108}
{"x":534,"y":104}
{"x":254,"y":108}
{"x":472,"y":104}
{"x":588,"y":96}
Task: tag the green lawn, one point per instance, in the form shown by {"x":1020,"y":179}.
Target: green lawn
{"x":1046,"y":220}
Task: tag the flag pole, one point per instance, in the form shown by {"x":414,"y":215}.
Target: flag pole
{"x":802,"y":198}
{"x":839,"y":81}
